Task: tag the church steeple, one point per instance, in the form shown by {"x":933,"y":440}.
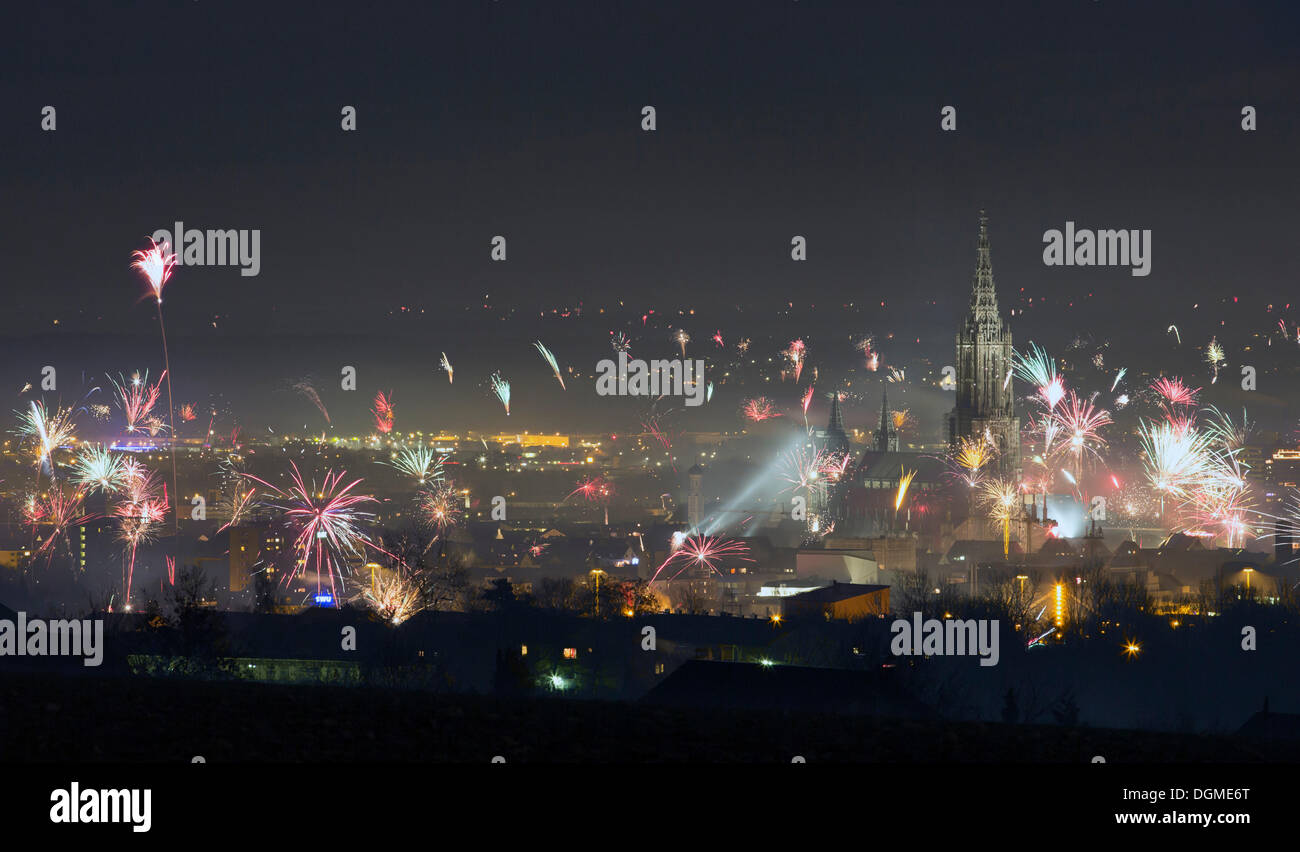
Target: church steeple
{"x":886,"y":436}
{"x":985,"y":403}
{"x":837,"y":440}
{"x":984,"y":297}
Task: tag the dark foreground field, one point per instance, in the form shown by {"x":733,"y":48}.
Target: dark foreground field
{"x":49,"y":718}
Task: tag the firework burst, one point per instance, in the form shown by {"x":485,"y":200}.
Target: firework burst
{"x":326,"y":522}
{"x":383,"y":411}
{"x":703,"y":552}
{"x":421,"y":463}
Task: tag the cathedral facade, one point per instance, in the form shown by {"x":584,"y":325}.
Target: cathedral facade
{"x":986,"y":404}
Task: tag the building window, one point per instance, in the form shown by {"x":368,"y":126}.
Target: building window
{"x":523,"y":650}
{"x":570,"y":653}
{"x":659,"y":668}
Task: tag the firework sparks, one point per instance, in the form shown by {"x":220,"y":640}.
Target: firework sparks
{"x":1215,"y":357}
{"x":439,"y":507}
{"x":904,"y":482}
{"x":551,"y":362}
{"x":1174,"y":393}
{"x":795,"y":354}
{"x":501,"y":388}
{"x":703,"y":552}
{"x":759,"y":409}
{"x":326,"y":522}
{"x":46,"y":431}
{"x":1038,"y":368}
{"x":97,"y":469}
{"x":394,"y":595}
{"x":1001,"y":499}
{"x":156,"y":264}
{"x":383,"y":412}
{"x":682,"y":338}
{"x":446,"y":365}
{"x":421,"y":463}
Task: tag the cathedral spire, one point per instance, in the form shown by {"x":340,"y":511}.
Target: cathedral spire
{"x":836,"y":423}
{"x":984,"y":298}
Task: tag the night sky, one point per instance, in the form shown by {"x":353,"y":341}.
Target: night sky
{"x":478,"y":118}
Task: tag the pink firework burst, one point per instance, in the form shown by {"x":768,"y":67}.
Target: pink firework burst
{"x":155,"y":264}
{"x":703,"y":552}
{"x":759,"y":409}
{"x":1174,"y":392}
{"x":327,"y":522}
{"x":383,"y":412}
{"x":137,"y":398}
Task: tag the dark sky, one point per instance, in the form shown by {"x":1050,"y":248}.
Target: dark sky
{"x":478,"y":118}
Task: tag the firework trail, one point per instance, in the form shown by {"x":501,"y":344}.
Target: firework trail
{"x":1174,"y":329}
{"x":421,"y":463}
{"x":187,"y":412}
{"x":905,"y":478}
{"x":717,"y":339}
{"x":156,"y":264}
{"x":170,"y":561}
{"x":383,"y":412}
{"x":1228,"y":434}
{"x":304,"y":387}
{"x":142,"y":510}
{"x":708,"y":392}
{"x":682,"y":338}
{"x":446,"y":365}
{"x":896,"y":375}
{"x":501,"y":388}
{"x":1118,"y":378}
{"x":759,"y":409}
{"x":701,"y":551}
{"x":620,"y":342}
{"x":662,"y":435}
{"x":550,"y":360}
{"x":807,"y":400}
{"x":326,"y":521}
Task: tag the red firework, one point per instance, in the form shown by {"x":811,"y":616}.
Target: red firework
{"x":383,"y":411}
